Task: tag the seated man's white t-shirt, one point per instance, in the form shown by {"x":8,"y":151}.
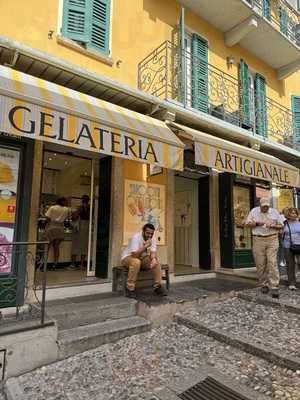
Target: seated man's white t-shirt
{"x":135,"y":243}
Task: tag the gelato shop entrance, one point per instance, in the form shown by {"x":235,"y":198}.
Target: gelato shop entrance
{"x":67,"y":206}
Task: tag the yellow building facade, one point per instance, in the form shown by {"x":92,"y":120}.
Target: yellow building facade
{"x":230,"y":75}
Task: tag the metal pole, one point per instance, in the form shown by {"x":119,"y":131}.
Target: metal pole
{"x":44,"y":284}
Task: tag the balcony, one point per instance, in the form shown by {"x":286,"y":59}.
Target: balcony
{"x":167,"y":75}
{"x":270,"y":33}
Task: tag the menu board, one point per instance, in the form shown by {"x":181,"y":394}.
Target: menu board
{"x":9,"y":173}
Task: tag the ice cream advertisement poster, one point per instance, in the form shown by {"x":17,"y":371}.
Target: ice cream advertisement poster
{"x":9,"y":172}
{"x":144,"y":203}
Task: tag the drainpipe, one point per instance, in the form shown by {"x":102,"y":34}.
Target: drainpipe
{"x":182,"y":55}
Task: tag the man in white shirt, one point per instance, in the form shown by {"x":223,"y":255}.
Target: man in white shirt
{"x":266,"y":222}
{"x":141,"y":253}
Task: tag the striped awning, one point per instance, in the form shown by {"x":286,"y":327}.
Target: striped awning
{"x":226,"y":156}
{"x":38,"y":109}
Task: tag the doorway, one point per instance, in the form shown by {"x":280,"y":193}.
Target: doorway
{"x":74,"y":178}
{"x":191,"y":226}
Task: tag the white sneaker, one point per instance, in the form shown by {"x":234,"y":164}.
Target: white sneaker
{"x":292,"y":287}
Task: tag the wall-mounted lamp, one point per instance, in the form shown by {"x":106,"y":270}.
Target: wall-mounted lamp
{"x":50,"y":34}
{"x":255,"y":146}
{"x":230,"y":61}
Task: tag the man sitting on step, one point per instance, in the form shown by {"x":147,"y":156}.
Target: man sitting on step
{"x":141,"y":254}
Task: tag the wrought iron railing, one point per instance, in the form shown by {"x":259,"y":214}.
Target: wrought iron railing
{"x":168,"y":75}
{"x":281,"y":15}
{"x":16,"y":260}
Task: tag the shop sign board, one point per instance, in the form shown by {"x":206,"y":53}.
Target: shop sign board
{"x":230,"y":161}
{"x":9,"y":172}
{"x":144,"y":203}
{"x":29,"y":120}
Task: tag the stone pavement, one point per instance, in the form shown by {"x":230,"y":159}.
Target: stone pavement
{"x":250,"y":338}
{"x":143,"y":366}
{"x":136,"y":367}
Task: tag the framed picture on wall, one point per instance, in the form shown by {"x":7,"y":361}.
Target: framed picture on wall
{"x":144,"y":203}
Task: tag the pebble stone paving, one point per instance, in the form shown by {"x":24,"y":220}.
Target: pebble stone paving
{"x":273,"y":328}
{"x":135,"y":367}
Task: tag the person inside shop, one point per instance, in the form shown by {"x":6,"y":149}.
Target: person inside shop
{"x":141,"y":253}
{"x":56,"y":216}
{"x":291,"y":244}
{"x":266,"y":222}
{"x":80,"y":233}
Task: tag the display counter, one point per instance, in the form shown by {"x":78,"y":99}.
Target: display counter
{"x":65,"y":248}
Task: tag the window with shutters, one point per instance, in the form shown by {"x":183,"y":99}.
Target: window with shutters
{"x":87,"y":22}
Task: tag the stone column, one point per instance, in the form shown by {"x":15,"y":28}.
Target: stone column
{"x":117,"y":214}
{"x":170,"y":215}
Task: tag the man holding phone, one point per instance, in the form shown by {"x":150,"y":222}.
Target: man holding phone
{"x":141,"y":253}
{"x":266,"y":222}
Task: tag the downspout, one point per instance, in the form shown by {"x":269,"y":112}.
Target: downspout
{"x":182,"y":55}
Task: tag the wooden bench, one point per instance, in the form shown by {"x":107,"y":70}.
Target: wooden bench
{"x":145,"y":278}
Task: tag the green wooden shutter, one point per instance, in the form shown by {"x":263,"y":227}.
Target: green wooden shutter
{"x":75,"y":24}
{"x":298,"y":5}
{"x":283,"y":21}
{"x":199,"y":73}
{"x":267,"y":9}
{"x":244,"y":94}
{"x":99,"y":24}
{"x":261,"y":106}
{"x":296,"y":118}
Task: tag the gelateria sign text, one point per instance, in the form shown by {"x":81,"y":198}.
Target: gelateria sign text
{"x":36,"y":122}
{"x":227,"y":161}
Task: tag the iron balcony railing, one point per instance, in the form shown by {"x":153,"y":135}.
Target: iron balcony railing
{"x":167,"y":73}
{"x":281,"y":15}
{"x":16,"y":258}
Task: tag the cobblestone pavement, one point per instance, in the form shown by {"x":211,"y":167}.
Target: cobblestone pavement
{"x":135,"y":367}
{"x":271,"y":327}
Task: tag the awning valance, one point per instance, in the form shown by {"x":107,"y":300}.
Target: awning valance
{"x":226,"y":156}
{"x":38,"y":109}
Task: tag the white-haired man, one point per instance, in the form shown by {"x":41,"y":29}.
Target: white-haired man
{"x":266,"y":222}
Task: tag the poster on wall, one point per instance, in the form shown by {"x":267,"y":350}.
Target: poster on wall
{"x":241,"y":202}
{"x":144,"y":203}
{"x":9,"y":172}
{"x":285,"y":199}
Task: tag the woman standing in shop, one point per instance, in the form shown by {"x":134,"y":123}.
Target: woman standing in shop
{"x":80,"y":236}
{"x":56,"y":216}
{"x":291,"y":235}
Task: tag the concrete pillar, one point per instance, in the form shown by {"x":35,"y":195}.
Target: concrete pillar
{"x":214,"y":220}
{"x":33,"y":217}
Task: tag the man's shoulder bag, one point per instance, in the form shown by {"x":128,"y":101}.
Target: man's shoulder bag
{"x":294,"y":248}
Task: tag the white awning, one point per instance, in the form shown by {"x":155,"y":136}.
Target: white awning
{"x":226,"y":156}
{"x":38,"y":109}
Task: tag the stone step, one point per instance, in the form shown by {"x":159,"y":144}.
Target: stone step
{"x":77,"y":340}
{"x":269,"y":333}
{"x":288,"y":300}
{"x":72,"y":314}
